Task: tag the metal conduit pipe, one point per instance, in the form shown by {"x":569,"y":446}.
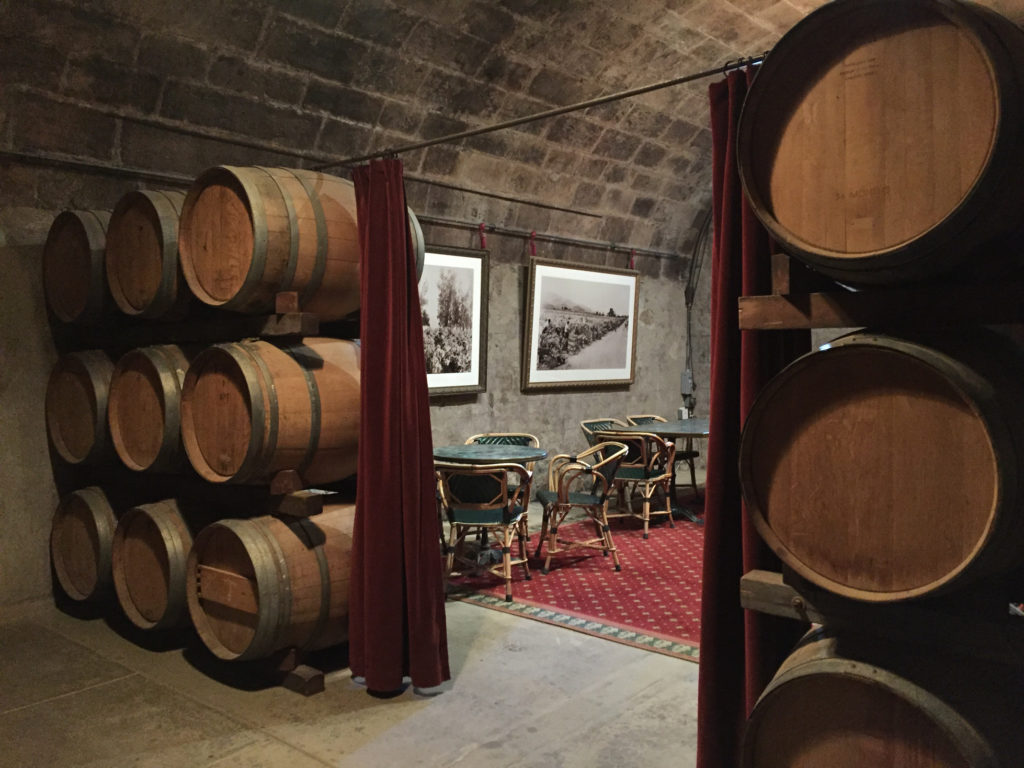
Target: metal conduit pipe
{"x":530,"y":234}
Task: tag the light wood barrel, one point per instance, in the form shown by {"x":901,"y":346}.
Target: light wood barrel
{"x":882,"y":142}
{"x":251,"y":409}
{"x":80,"y":543}
{"x":143,"y":272}
{"x":76,"y":406}
{"x":248,"y":233}
{"x":73,"y":266}
{"x":885,"y":468}
{"x":260,"y":585}
{"x":852,"y":703}
{"x":144,"y":407}
{"x":149,"y":553}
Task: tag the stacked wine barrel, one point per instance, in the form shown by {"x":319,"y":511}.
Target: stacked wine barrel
{"x":880,"y":144}
{"x":205,"y":417}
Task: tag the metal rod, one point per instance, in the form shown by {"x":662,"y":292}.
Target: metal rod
{"x":561,"y":240}
{"x":452,"y":137}
{"x":174,"y":126}
{"x":60,"y":161}
{"x":508,"y":198}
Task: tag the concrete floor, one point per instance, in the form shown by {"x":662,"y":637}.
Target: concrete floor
{"x":75,"y":692}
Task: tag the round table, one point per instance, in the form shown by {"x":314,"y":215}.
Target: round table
{"x":478,"y":453}
{"x":672,"y":429}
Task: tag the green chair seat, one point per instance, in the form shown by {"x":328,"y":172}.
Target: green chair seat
{"x":489,"y":516}
{"x":635,"y":473}
{"x":575,"y":499}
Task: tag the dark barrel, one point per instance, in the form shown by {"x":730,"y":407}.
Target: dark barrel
{"x":885,"y":468}
{"x":882,"y":141}
{"x":845,"y":702}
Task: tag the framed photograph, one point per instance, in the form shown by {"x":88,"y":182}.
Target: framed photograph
{"x":453,"y":302}
{"x":580,"y":326}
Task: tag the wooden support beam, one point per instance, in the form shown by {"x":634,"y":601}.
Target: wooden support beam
{"x":930,"y":306}
{"x":287,"y":481}
{"x":975,"y":623}
{"x":304,"y":503}
{"x":205,"y":326}
{"x":305,"y":680}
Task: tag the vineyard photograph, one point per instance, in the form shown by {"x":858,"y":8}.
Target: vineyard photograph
{"x":453,"y":307}
{"x":580,"y":325}
{"x":446,"y":301}
{"x":565,"y":334}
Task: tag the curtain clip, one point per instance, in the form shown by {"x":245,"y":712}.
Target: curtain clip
{"x":483,"y":236}
{"x":632,"y":258}
{"x":533,"y":242}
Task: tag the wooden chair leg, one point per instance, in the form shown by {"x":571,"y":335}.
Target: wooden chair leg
{"x":607,"y":533}
{"x":647,"y":512}
{"x":453,"y":538}
{"x":556,"y":521}
{"x":524,"y":541}
{"x":544,"y":523}
{"x":506,"y":561}
{"x":668,"y":502}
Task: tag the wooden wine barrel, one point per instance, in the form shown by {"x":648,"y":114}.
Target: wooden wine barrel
{"x":144,"y":407}
{"x":80,"y":543}
{"x":247,"y":233}
{"x":76,"y":406}
{"x":251,"y":409}
{"x":260,"y":585}
{"x":143,"y":272}
{"x":73,"y":266}
{"x":851,"y":703}
{"x":886,"y":468}
{"x":882,"y":142}
{"x":149,"y":553}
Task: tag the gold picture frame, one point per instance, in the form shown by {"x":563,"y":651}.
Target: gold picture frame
{"x":580,"y":326}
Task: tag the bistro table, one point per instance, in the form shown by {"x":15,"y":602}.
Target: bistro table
{"x":480,"y":453}
{"x":672,"y":430}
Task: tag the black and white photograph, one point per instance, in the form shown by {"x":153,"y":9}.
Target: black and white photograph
{"x":453,"y":303}
{"x":580,"y":325}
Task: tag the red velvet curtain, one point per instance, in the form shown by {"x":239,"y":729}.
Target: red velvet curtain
{"x":396,"y":601}
{"x":739,"y":650}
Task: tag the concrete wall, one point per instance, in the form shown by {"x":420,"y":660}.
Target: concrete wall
{"x":97,"y":91}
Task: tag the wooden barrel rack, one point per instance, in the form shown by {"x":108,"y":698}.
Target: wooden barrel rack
{"x":968,"y":622}
{"x":113,"y":414}
{"x":135,"y":297}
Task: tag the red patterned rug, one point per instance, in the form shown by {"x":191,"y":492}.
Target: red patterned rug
{"x":652,"y":603}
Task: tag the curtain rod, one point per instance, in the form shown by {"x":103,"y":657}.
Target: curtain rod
{"x":739,"y":63}
{"x":529,"y":234}
{"x":508,"y":198}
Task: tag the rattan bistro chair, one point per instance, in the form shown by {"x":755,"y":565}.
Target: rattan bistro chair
{"x":591,"y":426}
{"x":646,"y":469}
{"x":581,"y":482}
{"x":686,"y":454}
{"x":479,"y":498}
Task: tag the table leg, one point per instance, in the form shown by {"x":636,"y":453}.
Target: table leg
{"x":679,"y":510}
